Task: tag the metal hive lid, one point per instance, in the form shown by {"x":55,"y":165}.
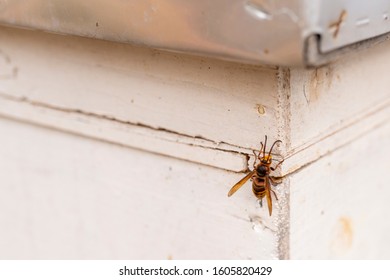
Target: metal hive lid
{"x":285,"y":32}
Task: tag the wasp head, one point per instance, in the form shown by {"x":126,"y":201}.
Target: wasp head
{"x":266,"y":159}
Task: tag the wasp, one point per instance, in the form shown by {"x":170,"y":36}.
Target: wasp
{"x":260,"y":176}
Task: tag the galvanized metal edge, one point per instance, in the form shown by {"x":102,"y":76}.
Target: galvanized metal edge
{"x":248,"y":31}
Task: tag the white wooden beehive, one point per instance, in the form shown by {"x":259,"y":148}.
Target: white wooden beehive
{"x":110,"y":151}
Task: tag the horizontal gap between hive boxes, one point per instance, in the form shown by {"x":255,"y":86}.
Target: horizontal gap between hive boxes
{"x":191,"y":148}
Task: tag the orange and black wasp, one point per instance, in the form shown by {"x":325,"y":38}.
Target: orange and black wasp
{"x":260,"y":176}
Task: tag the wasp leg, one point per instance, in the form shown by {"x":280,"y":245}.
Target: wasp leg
{"x":275,"y":180}
{"x":275,"y":194}
{"x":261,"y":202}
{"x":276,"y":166}
{"x":254,"y":163}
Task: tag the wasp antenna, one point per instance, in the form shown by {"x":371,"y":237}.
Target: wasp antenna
{"x":273,"y":146}
{"x":265,"y":144}
{"x":261,"y":150}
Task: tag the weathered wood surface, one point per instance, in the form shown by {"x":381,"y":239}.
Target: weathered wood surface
{"x":339,"y":204}
{"x":65,"y":196}
{"x":191,"y":101}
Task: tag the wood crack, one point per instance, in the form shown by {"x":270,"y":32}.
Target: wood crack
{"x":166,"y":135}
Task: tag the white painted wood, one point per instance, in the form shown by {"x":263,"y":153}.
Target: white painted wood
{"x":332,"y":98}
{"x":339,"y":159}
{"x":163,"y":142}
{"x":339,"y":204}
{"x":314,"y":150}
{"x":64,"y":196}
{"x":196,"y":97}
{"x":75,"y":197}
{"x":152,"y":95}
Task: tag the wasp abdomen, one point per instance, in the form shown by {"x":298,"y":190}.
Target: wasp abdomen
{"x":259,"y":181}
{"x":258,"y":187}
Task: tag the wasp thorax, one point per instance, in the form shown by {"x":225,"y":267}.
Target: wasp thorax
{"x":261,"y":170}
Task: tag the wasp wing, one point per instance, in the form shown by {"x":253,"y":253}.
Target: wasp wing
{"x":268,"y":195}
{"x":240,"y":183}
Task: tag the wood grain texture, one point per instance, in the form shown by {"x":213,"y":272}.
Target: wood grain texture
{"x":143,"y":137}
{"x":333,"y":105}
{"x":334,"y":97}
{"x":65,"y":196}
{"x":193,"y":96}
{"x":216,"y":111}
